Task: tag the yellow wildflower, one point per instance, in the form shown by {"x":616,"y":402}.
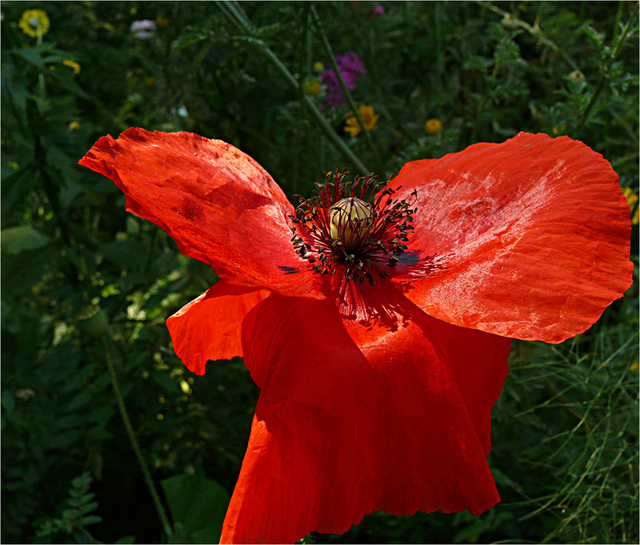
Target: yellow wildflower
{"x":72,"y":64}
{"x":74,"y":126}
{"x":433,"y":126}
{"x":368,"y":118}
{"x":576,"y":76}
{"x":312,"y":87}
{"x":318,"y":67}
{"x":633,"y":203}
{"x":34,"y":22}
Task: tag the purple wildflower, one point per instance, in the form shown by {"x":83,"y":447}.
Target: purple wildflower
{"x":351,"y":68}
{"x":378,"y":10}
{"x":143,"y":29}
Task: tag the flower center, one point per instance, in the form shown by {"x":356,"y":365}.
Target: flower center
{"x":356,"y":227}
{"x":351,"y":220}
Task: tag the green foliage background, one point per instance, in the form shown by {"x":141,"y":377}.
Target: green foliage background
{"x":565,"y":435}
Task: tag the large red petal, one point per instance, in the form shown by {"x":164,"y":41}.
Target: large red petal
{"x":529,"y":238}
{"x":361,"y":418}
{"x":209,"y":327}
{"x":219,"y":205}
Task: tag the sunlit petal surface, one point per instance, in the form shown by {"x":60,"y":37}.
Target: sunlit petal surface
{"x":532,"y":236}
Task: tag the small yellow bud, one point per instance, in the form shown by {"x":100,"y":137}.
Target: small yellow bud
{"x":433,"y":126}
{"x":576,"y":76}
{"x":312,"y":87}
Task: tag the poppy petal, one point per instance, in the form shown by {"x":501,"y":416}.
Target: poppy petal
{"x":528,"y":239}
{"x":354,"y":418}
{"x":218,"y":204}
{"x":209,"y":327}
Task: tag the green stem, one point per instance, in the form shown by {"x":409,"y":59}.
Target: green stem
{"x":592,"y":102}
{"x":41,"y":87}
{"x":315,"y":112}
{"x":437,"y":7}
{"x":607,"y":69}
{"x":237,"y":16}
{"x":134,"y":442}
{"x":616,"y":25}
{"x":567,"y":404}
{"x":345,"y":90}
{"x":241,"y":17}
{"x":533,"y":30}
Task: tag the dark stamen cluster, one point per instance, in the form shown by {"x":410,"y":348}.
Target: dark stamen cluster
{"x":364,"y":244}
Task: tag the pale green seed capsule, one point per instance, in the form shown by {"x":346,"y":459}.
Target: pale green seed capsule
{"x":93,"y":321}
{"x":350,"y":220}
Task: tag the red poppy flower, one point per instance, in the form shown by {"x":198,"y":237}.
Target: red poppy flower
{"x":379,"y":333}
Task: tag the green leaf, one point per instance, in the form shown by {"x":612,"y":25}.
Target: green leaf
{"x":188,"y":37}
{"x":41,"y":54}
{"x":30,"y":55}
{"x":124,"y":253}
{"x":21,"y":271}
{"x":500,"y":478}
{"x":15,"y":187}
{"x":87,"y":508}
{"x":91,"y":519}
{"x":198,"y":504}
{"x":62,"y":440}
{"x":83,"y":481}
{"x":14,"y":106}
{"x":471,"y":532}
{"x":7,"y":401}
{"x":24,"y":237}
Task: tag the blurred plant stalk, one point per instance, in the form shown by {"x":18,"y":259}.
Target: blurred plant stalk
{"x":345,"y":89}
{"x":618,"y":40}
{"x":238,"y":17}
{"x":134,"y":442}
{"x":95,"y":324}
